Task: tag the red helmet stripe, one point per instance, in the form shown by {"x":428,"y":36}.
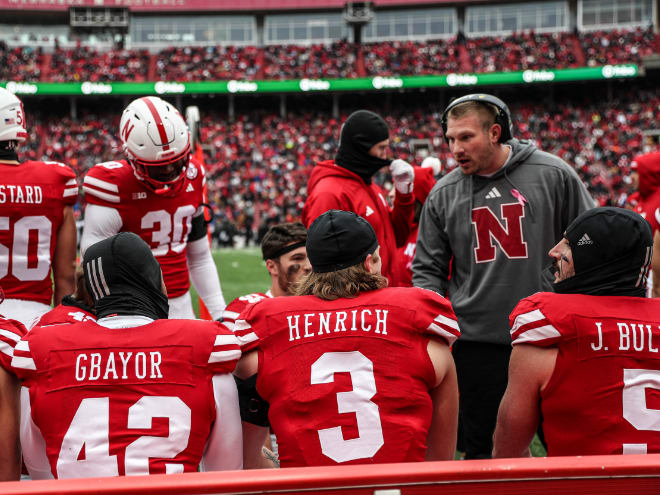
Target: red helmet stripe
{"x":159,"y":122}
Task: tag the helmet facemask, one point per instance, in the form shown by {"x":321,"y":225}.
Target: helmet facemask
{"x":164,"y":177}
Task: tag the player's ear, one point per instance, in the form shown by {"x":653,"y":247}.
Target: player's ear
{"x":273,"y":267}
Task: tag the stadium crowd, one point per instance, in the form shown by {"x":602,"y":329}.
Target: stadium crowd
{"x":340,"y":59}
{"x":258,"y":164}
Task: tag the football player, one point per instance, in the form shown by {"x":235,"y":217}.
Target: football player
{"x":135,"y":393}
{"x":11,"y":332}
{"x":346,"y":344}
{"x":37,"y":226}
{"x":585,"y":357}
{"x":157,"y":193}
{"x":283,"y":249}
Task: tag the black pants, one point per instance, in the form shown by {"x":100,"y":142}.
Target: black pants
{"x":482,"y":371}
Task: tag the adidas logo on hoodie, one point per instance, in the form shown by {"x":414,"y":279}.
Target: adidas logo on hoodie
{"x":493,"y":193}
{"x":584,"y":240}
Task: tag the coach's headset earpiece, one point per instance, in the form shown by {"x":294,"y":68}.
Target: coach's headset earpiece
{"x":503,"y":117}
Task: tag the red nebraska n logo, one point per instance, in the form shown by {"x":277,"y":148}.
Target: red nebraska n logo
{"x":509,"y":236}
{"x":126,"y":131}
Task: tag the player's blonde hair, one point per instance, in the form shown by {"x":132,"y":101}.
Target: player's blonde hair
{"x":486,"y":111}
{"x":348,"y":282}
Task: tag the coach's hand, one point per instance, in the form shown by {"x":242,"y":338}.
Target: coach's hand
{"x":403,"y":176}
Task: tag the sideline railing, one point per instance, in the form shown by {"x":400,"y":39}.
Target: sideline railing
{"x":596,"y":474}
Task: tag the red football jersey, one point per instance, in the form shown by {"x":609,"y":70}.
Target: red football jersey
{"x":348,"y":380}
{"x":163,"y":222}
{"x":238,"y":305}
{"x":132,"y":401}
{"x":11,"y":332}
{"x":65,"y":313}
{"x":604,"y":394}
{"x":32,"y":198}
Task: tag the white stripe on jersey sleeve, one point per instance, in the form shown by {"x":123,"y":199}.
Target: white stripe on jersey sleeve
{"x":536,"y":334}
{"x":112,"y":198}
{"x":25,"y":363}
{"x":23,"y":346}
{"x":230,"y":314}
{"x":222,"y":356}
{"x":101,"y":184}
{"x":447,"y":321}
{"x":7,"y":349}
{"x":226,"y":340}
{"x":245,"y":338}
{"x":526,"y":318}
{"x":10,"y":335}
{"x":71,"y":191}
{"x":443,"y":333}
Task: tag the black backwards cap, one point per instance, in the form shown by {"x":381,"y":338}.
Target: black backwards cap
{"x":605,"y":234}
{"x":123,"y":278}
{"x":611,"y":250}
{"x":339,"y":239}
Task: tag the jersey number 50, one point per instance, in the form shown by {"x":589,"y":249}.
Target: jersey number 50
{"x":90,"y":430}
{"x":19,"y":248}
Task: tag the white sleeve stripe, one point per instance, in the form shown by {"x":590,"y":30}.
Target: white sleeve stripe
{"x":222,"y":356}
{"x":443,"y":333}
{"x":447,"y":321}
{"x":71,"y":182}
{"x":536,"y":334}
{"x":101,"y":184}
{"x":230,"y":325}
{"x":230,"y":314}
{"x":23,"y":362}
{"x":23,"y":346}
{"x":10,"y":335}
{"x":70,"y":192}
{"x":240,"y":325}
{"x":108,"y":197}
{"x":226,"y":340}
{"x":6,"y":348}
{"x":526,"y":318}
{"x":247,"y":338}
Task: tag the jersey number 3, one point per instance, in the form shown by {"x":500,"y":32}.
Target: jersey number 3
{"x":357,"y":401}
{"x":88,"y":436}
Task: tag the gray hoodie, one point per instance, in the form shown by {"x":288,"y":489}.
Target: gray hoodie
{"x":495,"y":233}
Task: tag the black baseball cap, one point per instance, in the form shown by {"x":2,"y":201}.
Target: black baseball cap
{"x":339,"y":239}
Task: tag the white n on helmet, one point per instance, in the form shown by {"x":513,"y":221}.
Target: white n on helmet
{"x":12,"y":117}
{"x":156,"y":143}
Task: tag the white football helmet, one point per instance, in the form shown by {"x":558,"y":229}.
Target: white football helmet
{"x":156,"y":143}
{"x":12,"y":117}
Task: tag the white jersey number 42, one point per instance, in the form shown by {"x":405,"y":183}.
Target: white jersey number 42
{"x":89,"y":432}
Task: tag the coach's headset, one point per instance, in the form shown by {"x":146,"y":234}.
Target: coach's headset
{"x":503,"y":116}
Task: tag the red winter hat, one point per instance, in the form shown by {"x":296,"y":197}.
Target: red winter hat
{"x":424,"y":182}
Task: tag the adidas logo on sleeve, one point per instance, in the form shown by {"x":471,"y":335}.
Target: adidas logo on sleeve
{"x":493,"y":193}
{"x":584,"y":240}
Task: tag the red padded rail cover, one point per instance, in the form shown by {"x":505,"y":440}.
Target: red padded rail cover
{"x":585,"y":475}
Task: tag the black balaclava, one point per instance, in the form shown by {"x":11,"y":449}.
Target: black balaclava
{"x":8,"y":151}
{"x":124,"y":278}
{"x":611,"y":250}
{"x":339,"y":239}
{"x":359,"y":133}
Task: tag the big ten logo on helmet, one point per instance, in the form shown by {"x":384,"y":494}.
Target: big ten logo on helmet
{"x":509,"y":236}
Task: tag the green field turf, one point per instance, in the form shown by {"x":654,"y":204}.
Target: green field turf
{"x":242,"y":271}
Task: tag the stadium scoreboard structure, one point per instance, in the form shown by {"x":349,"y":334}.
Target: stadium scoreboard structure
{"x":377,"y":83}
